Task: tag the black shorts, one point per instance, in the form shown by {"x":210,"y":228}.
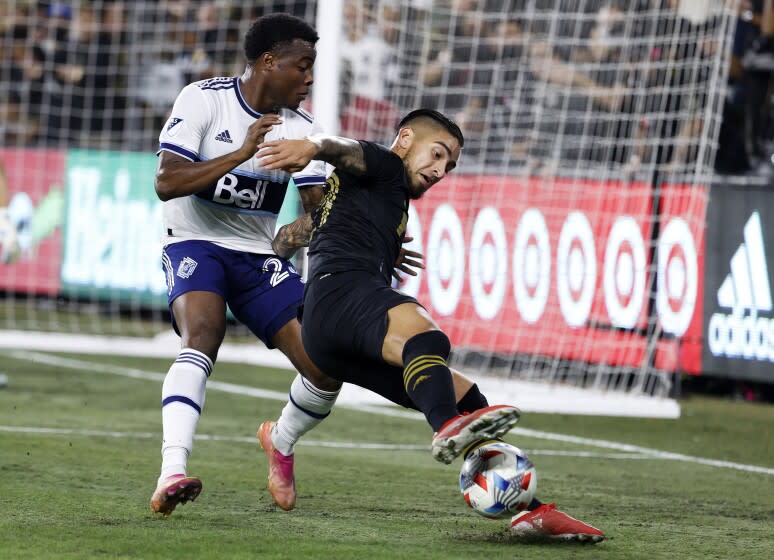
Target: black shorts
{"x":343,"y":325}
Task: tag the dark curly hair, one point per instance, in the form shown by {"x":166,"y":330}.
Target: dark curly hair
{"x":273,"y":30}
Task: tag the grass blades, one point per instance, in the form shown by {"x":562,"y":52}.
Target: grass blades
{"x":82,"y":492}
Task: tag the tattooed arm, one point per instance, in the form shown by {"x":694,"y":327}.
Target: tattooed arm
{"x":294,"y":155}
{"x":291,"y":237}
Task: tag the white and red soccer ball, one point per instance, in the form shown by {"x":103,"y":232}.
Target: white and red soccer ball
{"x":498,"y":480}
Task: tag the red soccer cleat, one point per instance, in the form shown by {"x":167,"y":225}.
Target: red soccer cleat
{"x":282,"y":484}
{"x":462,"y":431}
{"x":173,"y":490}
{"x":547,"y":521}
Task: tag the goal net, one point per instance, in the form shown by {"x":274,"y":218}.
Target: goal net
{"x":566,"y":250}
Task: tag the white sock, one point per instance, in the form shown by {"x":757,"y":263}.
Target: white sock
{"x":182,"y":397}
{"x":307,"y":406}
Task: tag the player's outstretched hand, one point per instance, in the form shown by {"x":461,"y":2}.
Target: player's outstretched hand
{"x":406,"y":259}
{"x":256,"y":133}
{"x":290,"y":155}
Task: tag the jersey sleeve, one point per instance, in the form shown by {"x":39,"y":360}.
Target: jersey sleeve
{"x":183,"y":132}
{"x":313,"y":174}
{"x":381,"y":163}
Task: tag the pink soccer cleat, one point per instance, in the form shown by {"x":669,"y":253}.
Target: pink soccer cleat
{"x":173,"y":490}
{"x":282,"y":484}
{"x":461,"y":431}
{"x":547,"y":521}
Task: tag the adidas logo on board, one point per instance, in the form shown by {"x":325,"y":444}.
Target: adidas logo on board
{"x":745,"y":292}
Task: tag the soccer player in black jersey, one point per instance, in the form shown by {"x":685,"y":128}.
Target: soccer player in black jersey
{"x":355,"y":326}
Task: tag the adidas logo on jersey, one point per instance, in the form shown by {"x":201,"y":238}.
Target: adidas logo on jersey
{"x":224,"y":137}
{"x":746,"y":292}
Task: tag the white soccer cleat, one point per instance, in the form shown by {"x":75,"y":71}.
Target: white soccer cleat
{"x":461,"y":431}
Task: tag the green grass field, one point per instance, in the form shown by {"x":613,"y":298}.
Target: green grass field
{"x":79,"y":457}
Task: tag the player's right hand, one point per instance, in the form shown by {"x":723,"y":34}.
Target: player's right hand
{"x":256,"y":133}
{"x":290,"y":155}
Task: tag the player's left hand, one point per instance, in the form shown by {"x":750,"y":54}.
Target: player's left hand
{"x":290,"y":155}
{"x":406,"y":259}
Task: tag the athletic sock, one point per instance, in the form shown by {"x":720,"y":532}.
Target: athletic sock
{"x":182,"y":400}
{"x":307,"y":406}
{"x":472,"y":400}
{"x":427,"y":378}
{"x":534,"y":504}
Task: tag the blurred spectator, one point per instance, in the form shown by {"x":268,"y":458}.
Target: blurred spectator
{"x":746,"y":140}
{"x":24,"y":72}
{"x":465,"y":62}
{"x":65,"y":71}
{"x":368,"y":72}
{"x":107,"y":71}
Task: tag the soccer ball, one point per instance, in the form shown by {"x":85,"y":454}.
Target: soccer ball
{"x":498,"y":480}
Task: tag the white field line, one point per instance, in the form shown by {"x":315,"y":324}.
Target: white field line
{"x":97,"y":367}
{"x":305,"y":443}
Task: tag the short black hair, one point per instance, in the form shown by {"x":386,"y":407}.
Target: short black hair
{"x":438,"y":117}
{"x":269,"y":31}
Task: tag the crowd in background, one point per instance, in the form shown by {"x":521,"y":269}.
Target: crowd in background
{"x":616,"y":84}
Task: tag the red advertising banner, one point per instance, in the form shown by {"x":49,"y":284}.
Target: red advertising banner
{"x":680,"y":286}
{"x":555,"y":267}
{"x":35,"y":201}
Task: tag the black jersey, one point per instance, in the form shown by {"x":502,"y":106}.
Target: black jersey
{"x":360,"y":223}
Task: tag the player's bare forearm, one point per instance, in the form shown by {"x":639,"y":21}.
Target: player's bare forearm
{"x":177,"y":176}
{"x":294,"y":155}
{"x":311,"y":197}
{"x":291,"y":237}
{"x":342,"y":153}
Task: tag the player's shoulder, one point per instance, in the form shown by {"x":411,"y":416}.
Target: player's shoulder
{"x":214,"y":84}
{"x":380,"y":151}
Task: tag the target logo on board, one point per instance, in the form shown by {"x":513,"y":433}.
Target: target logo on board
{"x":531,"y":266}
{"x":576,"y":269}
{"x":624,"y":273}
{"x":677,"y":277}
{"x":446,"y":250}
{"x":488,"y":263}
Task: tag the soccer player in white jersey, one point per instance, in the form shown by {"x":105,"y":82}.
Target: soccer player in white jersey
{"x":220,"y":210}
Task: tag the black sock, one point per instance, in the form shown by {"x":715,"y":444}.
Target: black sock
{"x":427,"y":378}
{"x":534,"y":504}
{"x":472,"y":400}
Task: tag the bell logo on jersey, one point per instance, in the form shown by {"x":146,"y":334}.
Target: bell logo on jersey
{"x":228,"y":193}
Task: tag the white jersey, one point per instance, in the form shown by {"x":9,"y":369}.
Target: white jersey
{"x":210,"y":118}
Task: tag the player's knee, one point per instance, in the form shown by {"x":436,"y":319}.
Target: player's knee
{"x":429,"y":343}
{"x":205,"y":340}
{"x":322,"y":381}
